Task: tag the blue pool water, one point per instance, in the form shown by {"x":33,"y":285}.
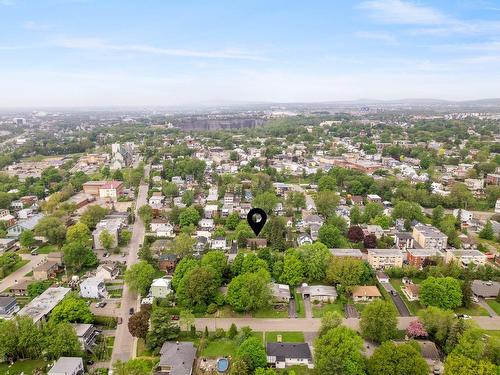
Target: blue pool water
{"x":222,"y":364}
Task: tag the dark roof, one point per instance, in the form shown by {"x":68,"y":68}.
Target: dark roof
{"x":170,"y":257}
{"x":6,"y":301}
{"x":282,"y":350}
{"x":403,"y":235}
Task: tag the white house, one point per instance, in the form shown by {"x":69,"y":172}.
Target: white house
{"x":93,"y":287}
{"x":219,"y":243}
{"x":161,"y":288}
{"x":162,"y":228}
{"x":285,"y":354}
{"x":107,"y":271}
{"x":206,"y":224}
{"x":67,"y":366}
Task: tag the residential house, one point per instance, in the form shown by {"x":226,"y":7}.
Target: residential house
{"x":161,"y":288}
{"x":22,"y":225}
{"x":87,"y":335}
{"x":206,"y":224}
{"x":7,"y":244}
{"x":219,"y":243}
{"x":47,"y":270}
{"x":485,"y":289}
{"x":282,"y":354}
{"x":257,"y":243}
{"x":111,"y":190}
{"x":304,"y":239}
{"x":162,"y":227}
{"x":156,"y":199}
{"x":93,"y":287}
{"x":167,"y":262}
{"x":210,"y":210}
{"x":429,"y":237}
{"x":366,"y":293}
{"x":411,"y":291}
{"x":377,"y":230}
{"x":493,"y":179}
{"x":373,"y":198}
{"x":108,"y":271}
{"x":280,"y":293}
{"x":417,"y":257}
{"x":381,"y":277}
{"x":40,"y":307}
{"x":474,"y":184}
{"x":8,"y":307}
{"x":67,"y":366}
{"x":20,"y":288}
{"x":465,"y":216}
{"x":320,"y":293}
{"x":385,"y":258}
{"x":6,"y":218}
{"x":176,"y":358}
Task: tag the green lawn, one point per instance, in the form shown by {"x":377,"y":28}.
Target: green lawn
{"x":47,"y":249}
{"x":493,"y":333}
{"x":321,"y":309}
{"x":299,"y":302}
{"x":475,"y":310}
{"x":298,"y":370}
{"x":219,"y":348}
{"x":285,"y":336}
{"x":494,"y":305}
{"x":115,"y":293}
{"x":271,"y":312}
{"x":22,"y":366}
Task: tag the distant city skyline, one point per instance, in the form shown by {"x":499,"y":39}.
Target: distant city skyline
{"x":80,"y":53}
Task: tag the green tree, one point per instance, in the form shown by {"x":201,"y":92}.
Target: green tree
{"x":326,"y":203}
{"x":190,"y":216}
{"x":76,"y":255}
{"x":232,"y":221}
{"x":79,"y":233}
{"x":437,"y":215}
{"x":329,"y":321}
{"x":162,"y":328}
{"x":184,"y":266}
{"x":296,"y":199}
{"x":146,"y":214}
{"x":437,"y":323}
{"x":52,"y":228}
{"x":316,"y":258}
{"x":487,"y":232}
{"x":265,"y":371}
{"x":267,"y":201}
{"x":216,"y":260}
{"x":293,"y":269}
{"x":327,"y":183}
{"x":275,"y":232}
{"x":107,"y":240}
{"x":442,"y":292}
{"x":242,"y":233}
{"x":183,"y":245}
{"x":139,"y":277}
{"x":252,"y":351}
{"x":461,"y":365}
{"x":331,"y":236}
{"x":338,"y":351}
{"x":392,"y":359}
{"x":198,"y":287}
{"x":186,"y":319}
{"x":249,"y":291}
{"x":379,"y":321}
{"x":347,"y":272}
{"x":355,"y":215}
{"x":73,"y":310}
{"x":92,"y":215}
{"x":136,"y":366}
{"x":60,"y":340}
{"x":36,"y":288}
{"x":408,"y":211}
{"x":27,"y":239}
{"x":125,"y":237}
{"x":372,"y":210}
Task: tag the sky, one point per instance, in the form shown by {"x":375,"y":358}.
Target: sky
{"x":80,"y":53}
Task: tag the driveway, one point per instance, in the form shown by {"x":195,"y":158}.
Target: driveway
{"x":483,"y":303}
{"x":308,"y":307}
{"x":292,"y":309}
{"x":350,"y":311}
{"x":398,"y":301}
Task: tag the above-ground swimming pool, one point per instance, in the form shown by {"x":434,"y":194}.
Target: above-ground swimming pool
{"x":222,"y":364}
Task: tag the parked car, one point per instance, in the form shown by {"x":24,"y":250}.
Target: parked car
{"x":131,"y":311}
{"x":475,"y":299}
{"x":463,"y":316}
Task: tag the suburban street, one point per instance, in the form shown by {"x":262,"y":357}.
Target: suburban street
{"x":312,"y":324}
{"x":10,"y":280}
{"x":125,"y":344}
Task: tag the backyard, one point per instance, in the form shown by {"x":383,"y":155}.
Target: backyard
{"x":26,"y":367}
{"x":321,"y":309}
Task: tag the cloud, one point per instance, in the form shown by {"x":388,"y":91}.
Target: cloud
{"x":403,"y":12}
{"x":377,"y":35}
{"x":32,"y":25}
{"x":103,"y":45}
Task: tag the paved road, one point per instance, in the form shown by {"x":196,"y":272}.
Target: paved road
{"x":308,"y":307}
{"x":312,"y":324}
{"x":124,"y":342}
{"x":10,"y":280}
{"x":487,"y":307}
{"x":396,"y":298}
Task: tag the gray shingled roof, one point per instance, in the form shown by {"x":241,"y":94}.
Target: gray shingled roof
{"x":282,"y":350}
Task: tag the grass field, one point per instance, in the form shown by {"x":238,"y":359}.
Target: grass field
{"x":25,"y":367}
{"x":47,"y":249}
{"x":225,"y":346}
{"x":493,"y":333}
{"x":286,"y":336}
{"x":494,"y":305}
{"x":320,"y":310}
{"x":297,"y":370}
{"x":475,"y":310}
{"x":299,"y":303}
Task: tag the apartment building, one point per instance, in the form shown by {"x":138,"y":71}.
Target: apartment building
{"x":429,"y":237}
{"x":385,"y":258}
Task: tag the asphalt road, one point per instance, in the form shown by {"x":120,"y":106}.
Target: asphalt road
{"x":312,"y":324}
{"x":10,"y":280}
{"x":125,"y":344}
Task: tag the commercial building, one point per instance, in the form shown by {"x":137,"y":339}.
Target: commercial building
{"x":40,"y":307}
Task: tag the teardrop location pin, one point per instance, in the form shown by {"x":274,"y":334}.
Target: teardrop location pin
{"x":256,"y":218}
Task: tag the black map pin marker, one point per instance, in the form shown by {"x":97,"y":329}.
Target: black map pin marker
{"x":256,"y":218}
